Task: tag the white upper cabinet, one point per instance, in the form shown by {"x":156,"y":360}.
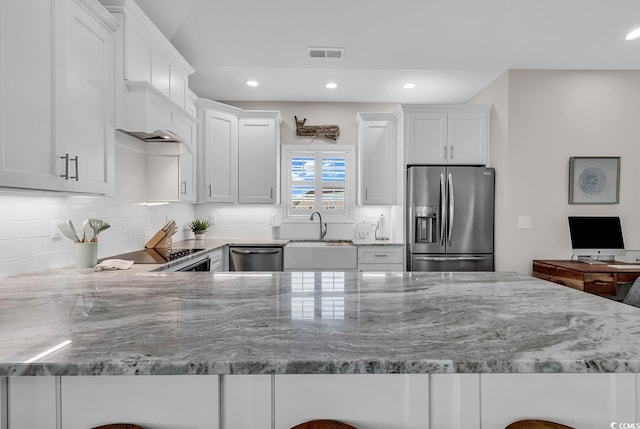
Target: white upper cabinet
{"x":446,"y":134}
{"x":237,"y":154}
{"x":147,"y":55}
{"x":188,"y":161}
{"x":56,"y":96}
{"x":377,"y":136}
{"x":258,"y":143}
{"x":218,"y":152}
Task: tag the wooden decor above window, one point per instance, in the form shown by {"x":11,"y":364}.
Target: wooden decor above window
{"x":326,"y":131}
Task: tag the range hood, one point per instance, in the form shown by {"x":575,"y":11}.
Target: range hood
{"x":152,"y":117}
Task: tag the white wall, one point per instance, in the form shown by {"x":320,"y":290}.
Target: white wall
{"x":26,"y":218}
{"x":254,"y":221}
{"x":553,"y":115}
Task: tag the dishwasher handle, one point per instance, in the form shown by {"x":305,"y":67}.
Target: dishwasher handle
{"x":255,"y":251}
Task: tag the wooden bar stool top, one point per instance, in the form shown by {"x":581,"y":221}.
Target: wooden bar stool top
{"x":119,"y":426}
{"x":323,"y":424}
{"x":537,"y":424}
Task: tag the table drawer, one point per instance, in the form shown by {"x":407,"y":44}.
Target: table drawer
{"x":599,"y":283}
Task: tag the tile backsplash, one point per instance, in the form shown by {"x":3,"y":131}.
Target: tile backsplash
{"x":27,"y":219}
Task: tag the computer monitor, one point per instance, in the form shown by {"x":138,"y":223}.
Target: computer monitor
{"x":596,"y":237}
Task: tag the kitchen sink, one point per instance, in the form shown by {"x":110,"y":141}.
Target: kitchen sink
{"x":320,"y":255}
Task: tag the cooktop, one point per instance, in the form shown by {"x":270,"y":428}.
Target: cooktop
{"x":154,"y":256}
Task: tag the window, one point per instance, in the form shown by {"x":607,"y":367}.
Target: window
{"x":318,"y":178}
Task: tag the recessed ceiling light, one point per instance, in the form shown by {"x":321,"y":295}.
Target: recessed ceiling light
{"x":252,"y":83}
{"x":409,"y":85}
{"x":633,"y":35}
{"x":332,"y":85}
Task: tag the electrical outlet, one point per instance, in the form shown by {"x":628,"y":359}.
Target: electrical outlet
{"x":56,"y":234}
{"x":212,"y":219}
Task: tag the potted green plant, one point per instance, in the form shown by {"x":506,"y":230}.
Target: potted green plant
{"x":199,"y":227}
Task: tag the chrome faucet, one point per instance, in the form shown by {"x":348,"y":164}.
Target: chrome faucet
{"x":323,"y":232}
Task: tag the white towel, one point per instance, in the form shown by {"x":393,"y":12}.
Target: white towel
{"x":113,"y":264}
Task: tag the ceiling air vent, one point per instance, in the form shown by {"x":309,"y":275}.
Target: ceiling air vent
{"x":334,"y":53}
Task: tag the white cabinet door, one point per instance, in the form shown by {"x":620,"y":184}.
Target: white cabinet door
{"x":84,"y":98}
{"x":28,"y":152}
{"x":377,"y":141}
{"x":257,"y":169}
{"x":171,"y":401}
{"x":32,"y":402}
{"x":372,"y":401}
{"x":219,"y":157}
{"x":188,"y":162}
{"x":468,"y":135}
{"x":426,"y":137}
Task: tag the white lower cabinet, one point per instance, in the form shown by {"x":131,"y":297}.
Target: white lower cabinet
{"x":371,"y":401}
{"x":32,"y":402}
{"x":161,"y":401}
{"x":246,"y":401}
{"x":367,"y":401}
{"x":380,"y":258}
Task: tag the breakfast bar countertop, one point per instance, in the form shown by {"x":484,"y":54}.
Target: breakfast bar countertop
{"x":138,"y":322}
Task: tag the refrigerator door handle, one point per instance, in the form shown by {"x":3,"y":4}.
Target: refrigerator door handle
{"x":450,"y":258}
{"x":451,"y":208}
{"x":443,"y":209}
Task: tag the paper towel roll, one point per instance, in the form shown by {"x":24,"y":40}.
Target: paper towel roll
{"x":382,"y":228}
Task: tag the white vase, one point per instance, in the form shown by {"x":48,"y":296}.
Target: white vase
{"x":86,"y":254}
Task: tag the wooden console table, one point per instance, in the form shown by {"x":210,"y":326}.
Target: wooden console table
{"x":599,"y":279}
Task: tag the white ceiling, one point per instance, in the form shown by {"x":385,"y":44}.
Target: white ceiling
{"x":450,"y":48}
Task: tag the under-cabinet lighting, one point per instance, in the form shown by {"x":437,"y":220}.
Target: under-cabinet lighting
{"x":409,"y":85}
{"x":48,"y":352}
{"x":331,"y":85}
{"x":633,"y":35}
{"x":151,"y":203}
{"x":252,"y":83}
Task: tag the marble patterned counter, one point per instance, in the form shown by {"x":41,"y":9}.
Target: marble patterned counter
{"x":138,"y":322}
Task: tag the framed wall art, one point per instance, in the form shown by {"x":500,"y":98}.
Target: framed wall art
{"x":594,"y":180}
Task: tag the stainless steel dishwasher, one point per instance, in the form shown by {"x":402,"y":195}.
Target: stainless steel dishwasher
{"x":255,"y":258}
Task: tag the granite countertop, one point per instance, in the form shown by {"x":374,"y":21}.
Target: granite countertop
{"x":135,"y":322}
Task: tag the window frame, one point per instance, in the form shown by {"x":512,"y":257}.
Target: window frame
{"x":319,"y":152}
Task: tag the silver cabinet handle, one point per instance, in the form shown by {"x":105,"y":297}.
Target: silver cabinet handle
{"x":452,"y":258}
{"x":444,"y":152}
{"x":451,"y":208}
{"x":209,"y":190}
{"x":184,"y":186}
{"x":443,"y":208}
{"x":66,"y":166}
{"x":380,"y":256}
{"x":451,"y":152}
{"x":76,"y":161}
{"x":366,"y":194}
{"x":271,"y":193}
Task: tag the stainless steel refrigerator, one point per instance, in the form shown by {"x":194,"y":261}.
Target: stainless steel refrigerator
{"x":450,"y":218}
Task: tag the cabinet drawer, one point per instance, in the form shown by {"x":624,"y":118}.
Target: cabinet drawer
{"x":379,"y":254}
{"x":599,"y":283}
{"x":398,"y":267}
